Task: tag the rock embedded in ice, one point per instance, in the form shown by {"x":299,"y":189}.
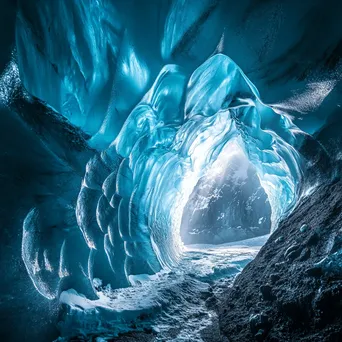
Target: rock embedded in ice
{"x":304,"y":228}
{"x":279,"y":239}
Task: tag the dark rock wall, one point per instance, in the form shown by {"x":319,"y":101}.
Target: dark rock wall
{"x":292,"y":290}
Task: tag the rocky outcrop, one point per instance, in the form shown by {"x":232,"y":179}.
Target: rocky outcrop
{"x":292,"y":290}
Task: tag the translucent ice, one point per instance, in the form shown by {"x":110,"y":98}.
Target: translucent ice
{"x":158,"y":105}
{"x":131,"y":201}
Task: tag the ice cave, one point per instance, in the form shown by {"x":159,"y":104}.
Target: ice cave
{"x":171,"y":170}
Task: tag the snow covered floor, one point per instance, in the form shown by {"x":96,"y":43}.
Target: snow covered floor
{"x":174,"y":304}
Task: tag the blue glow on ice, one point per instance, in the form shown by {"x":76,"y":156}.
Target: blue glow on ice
{"x":133,"y":194}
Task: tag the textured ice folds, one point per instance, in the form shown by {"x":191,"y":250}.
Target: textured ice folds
{"x":132,"y":197}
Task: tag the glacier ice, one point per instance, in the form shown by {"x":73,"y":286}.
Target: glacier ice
{"x":131,"y":200}
{"x":157,"y":114}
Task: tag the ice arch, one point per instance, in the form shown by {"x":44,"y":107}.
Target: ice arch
{"x":131,"y":200}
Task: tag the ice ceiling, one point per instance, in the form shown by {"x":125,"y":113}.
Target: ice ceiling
{"x":160,"y":101}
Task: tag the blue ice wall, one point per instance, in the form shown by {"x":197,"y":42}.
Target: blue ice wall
{"x":133,"y":193}
{"x":159,"y":102}
{"x":106,"y":44}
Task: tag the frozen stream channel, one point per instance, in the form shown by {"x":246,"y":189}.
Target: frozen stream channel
{"x":176,"y":304}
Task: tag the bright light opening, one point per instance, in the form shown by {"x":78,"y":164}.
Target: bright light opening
{"x":228,"y":203}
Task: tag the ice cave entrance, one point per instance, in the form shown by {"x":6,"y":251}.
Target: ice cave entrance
{"x":199,"y":160}
{"x":228,"y":203}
